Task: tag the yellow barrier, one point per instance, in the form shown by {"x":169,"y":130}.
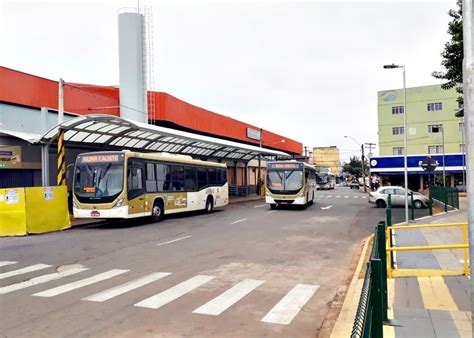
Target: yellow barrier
{"x":33,"y":210}
{"x":427,"y":272}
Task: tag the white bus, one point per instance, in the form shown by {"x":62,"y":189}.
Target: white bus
{"x":325,"y":181}
{"x":125,"y":184}
{"x":290,"y":183}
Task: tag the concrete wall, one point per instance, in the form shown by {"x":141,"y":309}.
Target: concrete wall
{"x":418,"y":119}
{"x":327,"y":157}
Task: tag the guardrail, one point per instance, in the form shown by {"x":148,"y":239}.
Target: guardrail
{"x":448,"y":197}
{"x":372,"y":311}
{"x":393,"y":272}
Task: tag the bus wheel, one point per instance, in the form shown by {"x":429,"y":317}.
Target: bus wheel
{"x":209,"y":205}
{"x":157,"y":211}
{"x":273,"y":206}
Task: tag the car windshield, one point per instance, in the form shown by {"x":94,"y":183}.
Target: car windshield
{"x":98,"y":180}
{"x":285,"y":180}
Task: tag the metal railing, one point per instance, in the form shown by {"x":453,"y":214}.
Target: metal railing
{"x":372,"y":310}
{"x":447,"y":197}
{"x":393,"y":272}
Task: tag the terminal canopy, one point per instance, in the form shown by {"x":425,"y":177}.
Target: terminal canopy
{"x":108,"y":132}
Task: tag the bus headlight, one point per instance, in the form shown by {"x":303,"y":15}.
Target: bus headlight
{"x":118,"y":204}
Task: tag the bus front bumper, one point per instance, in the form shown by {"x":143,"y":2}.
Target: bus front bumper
{"x":297,"y":200}
{"x":121,"y":212}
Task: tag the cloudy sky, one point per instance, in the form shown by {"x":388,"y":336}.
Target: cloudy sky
{"x":309,"y":70}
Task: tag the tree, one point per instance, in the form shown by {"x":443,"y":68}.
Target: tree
{"x":453,"y":55}
{"x":354,"y":166}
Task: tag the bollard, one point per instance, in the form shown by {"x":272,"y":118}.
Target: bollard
{"x":445,"y":201}
{"x":412,"y":207}
{"x":431,"y":205}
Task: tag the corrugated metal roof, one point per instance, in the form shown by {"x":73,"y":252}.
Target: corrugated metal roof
{"x":115,"y":132}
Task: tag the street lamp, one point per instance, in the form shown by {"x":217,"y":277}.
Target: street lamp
{"x":405,"y":133}
{"x":363,"y":164}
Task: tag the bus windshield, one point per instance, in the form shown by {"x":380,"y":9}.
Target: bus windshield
{"x":285,"y":180}
{"x":98,"y":181}
{"x":322,"y":178}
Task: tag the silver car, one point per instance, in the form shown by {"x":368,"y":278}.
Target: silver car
{"x":380,"y":197}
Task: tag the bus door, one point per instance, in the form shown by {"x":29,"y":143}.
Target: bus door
{"x":136,"y":187}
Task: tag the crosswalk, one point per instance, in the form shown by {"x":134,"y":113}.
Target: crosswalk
{"x":282,"y":313}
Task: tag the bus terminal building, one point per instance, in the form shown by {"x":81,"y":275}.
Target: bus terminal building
{"x":93,"y":121}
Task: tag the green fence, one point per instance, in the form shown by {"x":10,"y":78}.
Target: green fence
{"x":446,"y":197}
{"x":372,"y":311}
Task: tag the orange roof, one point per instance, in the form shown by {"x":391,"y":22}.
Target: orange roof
{"x":30,"y":90}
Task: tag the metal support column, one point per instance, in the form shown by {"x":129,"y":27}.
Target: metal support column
{"x":45,"y":165}
{"x":61,"y":163}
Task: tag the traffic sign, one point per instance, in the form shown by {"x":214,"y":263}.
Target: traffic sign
{"x":429,"y":164}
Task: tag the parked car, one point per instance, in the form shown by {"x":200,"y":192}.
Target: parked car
{"x":380,"y":197}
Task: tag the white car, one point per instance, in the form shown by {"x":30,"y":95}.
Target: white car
{"x":380,"y":197}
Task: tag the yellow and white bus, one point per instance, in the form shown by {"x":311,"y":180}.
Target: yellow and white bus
{"x":125,"y":184}
{"x":290,"y":183}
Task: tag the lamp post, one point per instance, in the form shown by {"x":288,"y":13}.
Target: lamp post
{"x":363,"y":164}
{"x":405,"y":133}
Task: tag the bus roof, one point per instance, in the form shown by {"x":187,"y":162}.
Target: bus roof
{"x":166,"y":157}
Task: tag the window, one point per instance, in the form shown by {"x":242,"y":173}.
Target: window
{"x":434,"y":106}
{"x":202,"y":178}
{"x":223,"y":176}
{"x":435,"y":128}
{"x":163,"y":177}
{"x":388,"y":191}
{"x":190,"y":179}
{"x":177,"y":178}
{"x":398,"y":110}
{"x":398,"y":131}
{"x":212,"y":176}
{"x":135,"y":179}
{"x":150,"y":182}
{"x":438,"y":149}
{"x":461,"y":126}
{"x":399,"y":192}
{"x":462,"y":148}
{"x":398,"y":151}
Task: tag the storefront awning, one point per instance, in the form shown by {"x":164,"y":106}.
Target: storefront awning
{"x":110,"y":132}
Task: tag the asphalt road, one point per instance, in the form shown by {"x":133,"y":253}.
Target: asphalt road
{"x":242,"y":271}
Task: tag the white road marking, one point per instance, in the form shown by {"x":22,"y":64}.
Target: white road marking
{"x":291,"y":304}
{"x":121,"y":289}
{"x":328,"y":196}
{"x":240,"y":220}
{"x":364,"y":196}
{"x":271,"y":211}
{"x":222,"y":302}
{"x":167,"y":296}
{"x":80,"y":283}
{"x":356,"y":196}
{"x":346,"y":196}
{"x":30,"y":268}
{"x":338,"y":196}
{"x":174,"y":240}
{"x":5,"y":263}
{"x":40,"y":280}
{"x":260,"y":206}
{"x":325,"y":208}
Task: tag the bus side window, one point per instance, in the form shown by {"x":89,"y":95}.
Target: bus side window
{"x":212,"y":176}
{"x":202,"y":178}
{"x":223,"y":175}
{"x":150,"y":182}
{"x":163,"y":177}
{"x":190,"y":181}
{"x":177,"y":178}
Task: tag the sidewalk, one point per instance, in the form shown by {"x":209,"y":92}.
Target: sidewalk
{"x":424,"y":306}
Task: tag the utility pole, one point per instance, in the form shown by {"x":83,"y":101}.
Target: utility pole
{"x":259,"y":174}
{"x":305,"y":153}
{"x":468,"y":90}
{"x":370,"y":146}
{"x":363,"y":168}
